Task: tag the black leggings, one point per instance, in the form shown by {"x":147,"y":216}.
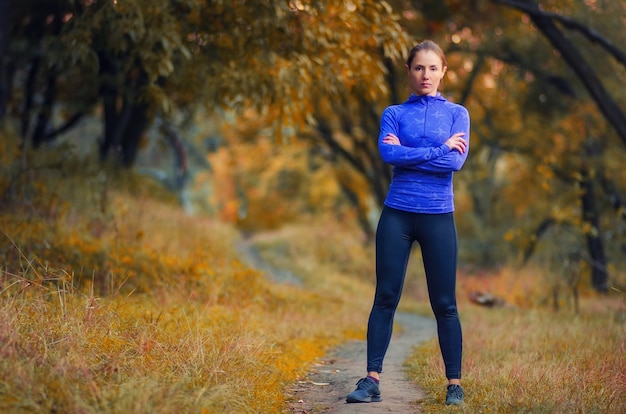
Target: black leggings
{"x":436,"y":235}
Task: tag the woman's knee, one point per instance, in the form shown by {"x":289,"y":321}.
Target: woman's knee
{"x":387,"y":298}
{"x":444,"y":308}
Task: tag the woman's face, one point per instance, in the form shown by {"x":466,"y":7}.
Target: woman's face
{"x":426,"y":72}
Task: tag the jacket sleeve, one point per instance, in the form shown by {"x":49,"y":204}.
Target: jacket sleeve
{"x":435,"y":159}
{"x":454,"y":160}
{"x":399,"y":155}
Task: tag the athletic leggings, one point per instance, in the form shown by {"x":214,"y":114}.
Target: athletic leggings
{"x":436,"y":235}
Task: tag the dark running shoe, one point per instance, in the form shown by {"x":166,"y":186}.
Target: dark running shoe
{"x":455,"y":395}
{"x":366,"y":391}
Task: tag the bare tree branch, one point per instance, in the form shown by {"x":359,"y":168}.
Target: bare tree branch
{"x":544,"y":226}
{"x":570,"y":53}
{"x":65,"y":127}
{"x":570,"y":23}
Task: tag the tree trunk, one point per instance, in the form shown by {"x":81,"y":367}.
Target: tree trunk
{"x":123,"y":130}
{"x":115,"y":122}
{"x":595,"y":245}
{"x":124,"y":124}
{"x":134,"y":128}
{"x":50,"y":93}
{"x":29,"y":97}
{"x":109,"y":93}
{"x":5,"y":14}
{"x":45,"y":113}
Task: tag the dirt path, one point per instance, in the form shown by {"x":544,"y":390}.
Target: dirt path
{"x":330,"y":381}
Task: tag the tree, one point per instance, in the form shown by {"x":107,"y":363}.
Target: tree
{"x":571,"y":53}
{"x":5,"y":17}
{"x":323,"y":71}
{"x":545,"y":22}
{"x":527,"y":105}
{"x":143,"y":58}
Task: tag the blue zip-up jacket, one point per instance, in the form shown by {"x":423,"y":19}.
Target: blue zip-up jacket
{"x":423,"y":165}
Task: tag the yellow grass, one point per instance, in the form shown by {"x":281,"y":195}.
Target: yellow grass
{"x":191,"y":328}
{"x":531,"y":359}
{"x":112,"y":300}
{"x":136,"y":307}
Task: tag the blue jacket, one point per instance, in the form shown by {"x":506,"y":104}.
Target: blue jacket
{"x":423,"y":166}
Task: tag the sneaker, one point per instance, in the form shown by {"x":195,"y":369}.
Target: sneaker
{"x":366,"y":391}
{"x":455,"y":395}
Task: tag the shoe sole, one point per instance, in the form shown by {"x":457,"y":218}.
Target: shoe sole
{"x":365,"y":400}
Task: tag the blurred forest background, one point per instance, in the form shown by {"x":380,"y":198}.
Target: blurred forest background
{"x":148,"y":147}
{"x":264,"y":112}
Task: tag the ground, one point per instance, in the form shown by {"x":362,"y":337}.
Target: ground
{"x":330,"y":381}
{"x":326,"y":386}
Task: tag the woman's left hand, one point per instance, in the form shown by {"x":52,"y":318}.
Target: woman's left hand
{"x":391,"y":139}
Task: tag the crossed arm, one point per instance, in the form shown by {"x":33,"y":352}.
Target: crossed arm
{"x":447,"y":157}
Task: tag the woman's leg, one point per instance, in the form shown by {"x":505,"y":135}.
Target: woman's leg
{"x":439,"y":244}
{"x":393,"y":246}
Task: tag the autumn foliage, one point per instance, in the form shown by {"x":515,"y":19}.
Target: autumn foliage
{"x":138,"y":307}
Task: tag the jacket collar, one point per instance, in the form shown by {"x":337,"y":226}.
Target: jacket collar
{"x":425,"y":98}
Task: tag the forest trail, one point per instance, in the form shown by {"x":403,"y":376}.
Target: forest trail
{"x":332,"y":379}
{"x":326,"y":386}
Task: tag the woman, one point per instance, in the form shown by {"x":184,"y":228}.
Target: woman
{"x":425,"y":139}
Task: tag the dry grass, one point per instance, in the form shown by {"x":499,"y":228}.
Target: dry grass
{"x":526,"y":358}
{"x":189,"y":329}
{"x":114,"y":301}
{"x":163,"y":352}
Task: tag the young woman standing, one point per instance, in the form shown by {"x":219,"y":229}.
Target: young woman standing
{"x":425,"y":139}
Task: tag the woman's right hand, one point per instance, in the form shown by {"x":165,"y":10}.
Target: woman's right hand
{"x":456,"y":142}
{"x":391,"y":139}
